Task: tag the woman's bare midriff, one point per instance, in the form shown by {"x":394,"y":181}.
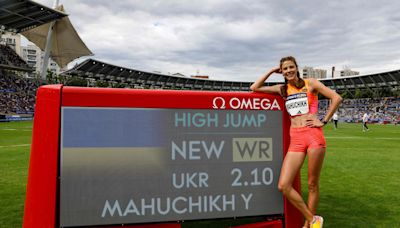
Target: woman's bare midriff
{"x":300,"y":121}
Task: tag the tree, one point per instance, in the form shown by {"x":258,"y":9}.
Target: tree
{"x":367,"y":94}
{"x":118,"y":85}
{"x":384,"y":92}
{"x":357,"y":93}
{"x":396,"y":93}
{"x":101,"y":84}
{"x":76,"y":81}
{"x":345,"y":95}
{"x":51,"y":77}
{"x":61,"y":79}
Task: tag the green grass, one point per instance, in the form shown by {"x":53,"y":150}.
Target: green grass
{"x":359,"y":181}
{"x":15,"y":139}
{"x":360,"y":177}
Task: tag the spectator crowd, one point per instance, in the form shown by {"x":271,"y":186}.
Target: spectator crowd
{"x":380,"y":110}
{"x":17,"y":94}
{"x":9,"y":57}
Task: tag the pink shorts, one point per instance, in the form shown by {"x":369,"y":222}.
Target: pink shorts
{"x":304,"y":138}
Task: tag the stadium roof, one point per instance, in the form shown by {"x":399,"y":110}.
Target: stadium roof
{"x":21,"y":15}
{"x":95,"y":69}
{"x":370,"y":82}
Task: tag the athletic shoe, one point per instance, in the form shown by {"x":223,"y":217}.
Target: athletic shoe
{"x":318,"y":221}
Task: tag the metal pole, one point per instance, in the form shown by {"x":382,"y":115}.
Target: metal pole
{"x":48,"y":46}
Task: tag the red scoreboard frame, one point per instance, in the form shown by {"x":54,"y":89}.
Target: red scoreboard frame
{"x":42,"y":196}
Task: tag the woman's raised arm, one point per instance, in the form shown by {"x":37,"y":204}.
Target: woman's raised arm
{"x":258,"y":85}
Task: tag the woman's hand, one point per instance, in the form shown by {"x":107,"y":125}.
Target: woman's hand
{"x":314,"y":122}
{"x":258,"y":85}
{"x":276,"y":70}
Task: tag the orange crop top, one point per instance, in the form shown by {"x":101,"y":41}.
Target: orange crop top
{"x":301,"y":101}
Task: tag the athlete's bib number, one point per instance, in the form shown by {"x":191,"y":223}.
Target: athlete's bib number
{"x":297,"y":104}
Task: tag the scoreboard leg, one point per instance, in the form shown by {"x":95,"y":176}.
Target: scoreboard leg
{"x":41,"y":194}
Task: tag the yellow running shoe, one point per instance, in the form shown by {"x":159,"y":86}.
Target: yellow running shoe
{"x":318,"y":221}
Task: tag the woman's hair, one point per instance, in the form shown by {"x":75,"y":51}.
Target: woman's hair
{"x":299,"y":84}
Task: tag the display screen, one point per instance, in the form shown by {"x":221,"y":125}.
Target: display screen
{"x":143,"y":165}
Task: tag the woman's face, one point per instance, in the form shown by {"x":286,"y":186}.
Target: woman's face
{"x":289,"y":70}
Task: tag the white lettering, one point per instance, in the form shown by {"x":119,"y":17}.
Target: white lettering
{"x":167,"y":207}
{"x":275,"y":105}
{"x":253,"y":103}
{"x":213,"y":203}
{"x":174,"y":202}
{"x":194,"y":204}
{"x":247,"y":200}
{"x":212,"y":149}
{"x":107,"y":208}
{"x":227,"y":202}
{"x":190,"y":180}
{"x":215,"y":103}
{"x":175,"y":148}
{"x":131,"y":208}
{"x":148,"y":206}
{"x":178,"y":205}
{"x":194,"y":150}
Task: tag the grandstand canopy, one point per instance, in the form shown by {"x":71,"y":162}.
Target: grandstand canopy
{"x":21,"y":15}
{"x":98,"y":70}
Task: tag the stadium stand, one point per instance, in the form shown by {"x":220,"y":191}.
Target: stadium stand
{"x":17,"y":94}
{"x":94,"y":70}
{"x":382,"y":110}
{"x":370,"y":83}
{"x":11,"y":60}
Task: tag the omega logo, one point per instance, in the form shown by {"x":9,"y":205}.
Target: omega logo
{"x":219,"y":103}
{"x":246,"y":103}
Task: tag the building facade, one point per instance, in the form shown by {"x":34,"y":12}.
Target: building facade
{"x":310,"y":72}
{"x":348,"y":72}
{"x":343,"y":73}
{"x":11,"y":40}
{"x":34,"y":57}
{"x":30,"y":53}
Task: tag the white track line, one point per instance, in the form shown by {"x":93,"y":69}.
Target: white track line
{"x":358,"y":137}
{"x":11,"y":129}
{"x":20,"y":145}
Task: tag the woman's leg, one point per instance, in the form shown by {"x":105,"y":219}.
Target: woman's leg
{"x":290,"y":167}
{"x":315,"y":161}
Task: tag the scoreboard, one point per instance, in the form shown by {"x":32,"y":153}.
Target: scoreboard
{"x":122,"y":156}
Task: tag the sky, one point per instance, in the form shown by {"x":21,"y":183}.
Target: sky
{"x":238,"y":40}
